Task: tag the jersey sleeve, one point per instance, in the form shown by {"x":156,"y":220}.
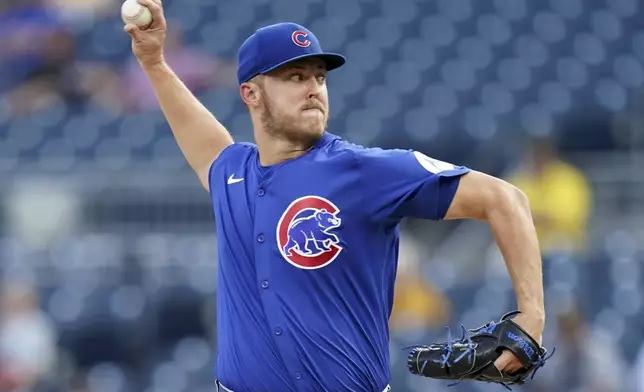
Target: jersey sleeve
{"x":406,"y":183}
{"x":230,"y":153}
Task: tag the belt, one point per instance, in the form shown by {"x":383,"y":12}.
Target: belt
{"x":222,"y":388}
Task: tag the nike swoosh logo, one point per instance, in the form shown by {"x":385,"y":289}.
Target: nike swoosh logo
{"x":233,"y":180}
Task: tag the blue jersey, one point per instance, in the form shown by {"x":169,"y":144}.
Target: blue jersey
{"x":307,"y":261}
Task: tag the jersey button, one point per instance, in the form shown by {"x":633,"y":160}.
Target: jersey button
{"x":298,"y":375}
{"x":278,"y":331}
{"x":260,"y":192}
{"x":264,"y":284}
{"x":260,"y":238}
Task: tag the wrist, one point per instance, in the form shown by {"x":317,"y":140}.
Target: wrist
{"x":534,"y":313}
{"x":153,"y":65}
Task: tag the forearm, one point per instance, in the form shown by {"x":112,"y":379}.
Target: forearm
{"x":512,"y":227}
{"x":200,"y":136}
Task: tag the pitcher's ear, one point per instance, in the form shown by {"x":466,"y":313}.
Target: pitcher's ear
{"x":252,"y":91}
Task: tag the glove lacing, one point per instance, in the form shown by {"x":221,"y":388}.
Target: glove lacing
{"x":466,"y":339}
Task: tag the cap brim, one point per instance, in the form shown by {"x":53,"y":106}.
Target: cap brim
{"x":332,"y":61}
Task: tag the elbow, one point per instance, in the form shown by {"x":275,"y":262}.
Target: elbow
{"x":519,"y":198}
{"x":508,"y":201}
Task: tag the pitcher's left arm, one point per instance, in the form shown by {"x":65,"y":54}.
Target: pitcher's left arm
{"x":506,"y":209}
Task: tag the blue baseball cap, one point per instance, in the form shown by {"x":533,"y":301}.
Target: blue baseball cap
{"x":275,"y":45}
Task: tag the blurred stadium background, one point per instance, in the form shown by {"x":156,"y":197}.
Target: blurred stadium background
{"x":107,"y":243}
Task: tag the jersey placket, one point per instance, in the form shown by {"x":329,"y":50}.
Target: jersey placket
{"x":264,"y":230}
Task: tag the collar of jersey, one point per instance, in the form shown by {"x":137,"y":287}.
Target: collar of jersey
{"x":324,"y":140}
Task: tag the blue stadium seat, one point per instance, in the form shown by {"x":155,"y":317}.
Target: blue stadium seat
{"x":26,"y":133}
{"x":402,"y":11}
{"x":555,"y":97}
{"x":169,"y":376}
{"x":514,"y":74}
{"x":403,"y":77}
{"x":220,"y":102}
{"x":620,"y":244}
{"x":382,"y":101}
{"x":456,"y":10}
{"x":383,"y":32}
{"x":127,"y":302}
{"x":512,"y":10}
{"x":201,"y":279}
{"x":365,"y":55}
{"x":167,"y":154}
{"x":638,"y":46}
{"x":331,"y":33}
{"x":107,"y":377}
{"x":349,"y":79}
{"x":8,"y":155}
{"x":56,"y":154}
{"x":188,"y":15}
{"x":459,"y":75}
{"x":549,"y":27}
{"x":337,"y":102}
{"x":108,"y":41}
{"x":418,"y":52}
{"x":572,"y":72}
{"x":420,"y":124}
{"x":284,"y":10}
{"x":628,"y":300}
{"x":219,"y":37}
{"x":628,"y":71}
{"x":138,"y":130}
{"x":531,"y":50}
{"x":606,"y":25}
{"x":479,"y":122}
{"x":563,"y":270}
{"x":440,"y":99}
{"x":625,"y":272}
{"x":589,"y":48}
{"x":81,"y":131}
{"x":242,"y":12}
{"x":363,"y":126}
{"x":52,"y":116}
{"x":345,"y":12}
{"x":570,"y":9}
{"x":623,"y":8}
{"x":536,"y":120}
{"x":610,"y":95}
{"x":497,"y":98}
{"x":437,"y":31}
{"x":113,"y":153}
{"x":193,"y":354}
{"x":493,"y":29}
{"x":475,"y":52}
{"x":65,"y":306}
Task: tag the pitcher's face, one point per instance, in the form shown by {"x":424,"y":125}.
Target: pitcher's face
{"x":294,"y":101}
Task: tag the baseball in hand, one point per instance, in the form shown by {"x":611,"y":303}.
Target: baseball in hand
{"x":135,"y":13}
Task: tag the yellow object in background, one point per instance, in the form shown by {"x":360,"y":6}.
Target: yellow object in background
{"x":560,"y":198}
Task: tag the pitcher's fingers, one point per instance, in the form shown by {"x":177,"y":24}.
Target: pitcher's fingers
{"x":503,"y":361}
{"x":155,"y":9}
{"x":133,"y":31}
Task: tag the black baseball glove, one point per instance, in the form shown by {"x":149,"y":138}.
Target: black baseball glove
{"x":472,"y":357}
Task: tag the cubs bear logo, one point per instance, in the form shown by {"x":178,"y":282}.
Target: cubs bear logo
{"x":303,"y":232}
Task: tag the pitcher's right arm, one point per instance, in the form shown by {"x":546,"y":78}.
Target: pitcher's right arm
{"x":200,"y":136}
